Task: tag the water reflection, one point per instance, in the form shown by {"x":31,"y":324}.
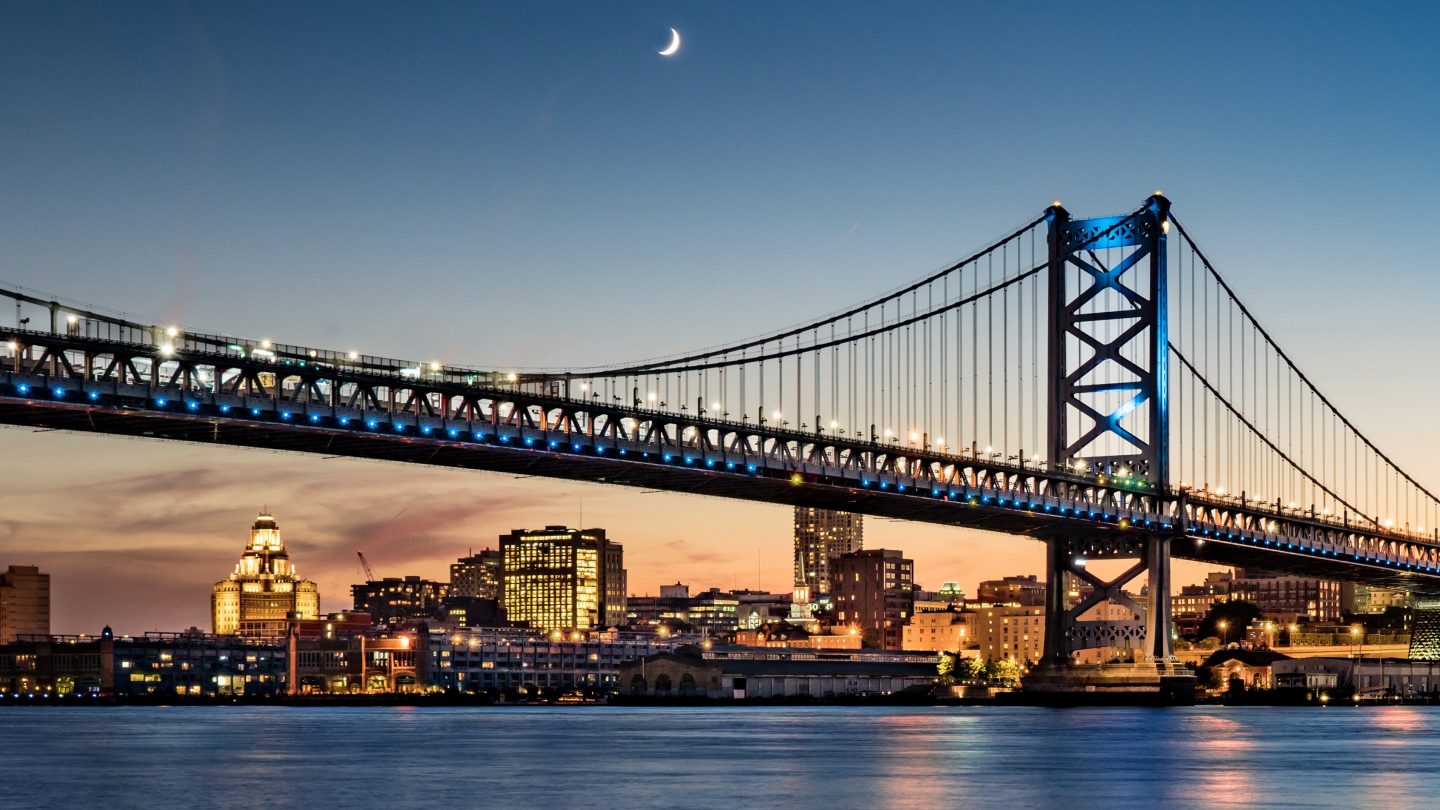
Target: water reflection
{"x":743,"y":757}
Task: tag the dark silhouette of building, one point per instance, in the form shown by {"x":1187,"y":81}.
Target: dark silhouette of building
{"x":874,"y":590}
{"x":24,"y":603}
{"x":396,"y":601}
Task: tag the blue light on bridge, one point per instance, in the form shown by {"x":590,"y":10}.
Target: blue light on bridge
{"x":371,"y":423}
{"x":599,"y":451}
{"x":192,"y":405}
{"x":254,"y":411}
{"x":554,"y":444}
{"x":23,"y":388}
{"x":94,"y":396}
{"x":750,"y":467}
{"x":344,"y":421}
{"x":575,"y":447}
{"x":453,"y":433}
{"x":529,"y":441}
{"x":162,"y":402}
{"x":314,"y":418}
{"x":504,"y":439}
{"x":667,"y":456}
{"x":224,"y":409}
{"x":284,"y":414}
{"x":729,"y":465}
{"x":478,"y":436}
{"x":399,"y":428}
{"x":710,"y":462}
{"x":425,"y":430}
{"x":58,"y":392}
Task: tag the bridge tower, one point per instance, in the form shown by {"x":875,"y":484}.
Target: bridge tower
{"x":1107,"y":423}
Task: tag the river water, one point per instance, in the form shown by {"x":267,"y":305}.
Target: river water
{"x":613,"y":757}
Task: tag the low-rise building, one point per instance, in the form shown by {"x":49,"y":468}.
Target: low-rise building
{"x":947,"y":630}
{"x":191,"y":663}
{"x":1253,"y":668}
{"x":733,"y":673}
{"x":1367,"y":679}
{"x":503,"y":659}
{"x":784,"y":635}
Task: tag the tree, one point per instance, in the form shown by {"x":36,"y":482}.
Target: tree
{"x":1005,"y":672}
{"x":947,"y":668}
{"x":970,"y":669}
{"x":1238,"y":616}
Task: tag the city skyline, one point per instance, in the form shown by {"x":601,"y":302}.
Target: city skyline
{"x":601,"y":169}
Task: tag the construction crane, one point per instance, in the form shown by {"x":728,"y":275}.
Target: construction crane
{"x":369,"y":575}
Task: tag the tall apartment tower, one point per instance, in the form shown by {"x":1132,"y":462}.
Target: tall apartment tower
{"x":24,"y":603}
{"x":558,"y":578}
{"x":822,"y":535}
{"x":263,"y":590}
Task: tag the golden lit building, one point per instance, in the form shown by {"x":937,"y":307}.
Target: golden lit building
{"x":1009,"y":631}
{"x":263,"y":590}
{"x":560,"y":579}
{"x":940,"y":630}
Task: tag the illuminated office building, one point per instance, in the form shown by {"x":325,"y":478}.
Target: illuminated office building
{"x":559,"y":579}
{"x":260,"y":594}
{"x":822,"y":535}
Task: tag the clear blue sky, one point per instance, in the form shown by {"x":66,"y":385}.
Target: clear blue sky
{"x":531,"y":184}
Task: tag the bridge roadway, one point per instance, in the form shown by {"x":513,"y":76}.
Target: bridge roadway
{"x":222,"y":390}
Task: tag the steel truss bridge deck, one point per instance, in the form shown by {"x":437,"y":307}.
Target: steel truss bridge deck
{"x":333,"y":404}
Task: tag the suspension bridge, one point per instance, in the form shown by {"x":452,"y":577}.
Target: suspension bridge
{"x":1092,"y":383}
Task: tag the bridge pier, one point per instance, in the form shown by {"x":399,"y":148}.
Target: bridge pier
{"x":1150,"y":674}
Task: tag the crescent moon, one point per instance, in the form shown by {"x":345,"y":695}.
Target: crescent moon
{"x":674,"y":44}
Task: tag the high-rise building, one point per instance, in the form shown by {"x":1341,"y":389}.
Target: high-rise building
{"x":259,"y":596}
{"x":615,"y":587}
{"x":821,"y":535}
{"x":24,"y":603}
{"x":874,"y":591}
{"x":395,"y":601}
{"x":477,"y":575}
{"x":558,"y":578}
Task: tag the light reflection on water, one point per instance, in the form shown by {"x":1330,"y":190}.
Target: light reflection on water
{"x":735,"y":757}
